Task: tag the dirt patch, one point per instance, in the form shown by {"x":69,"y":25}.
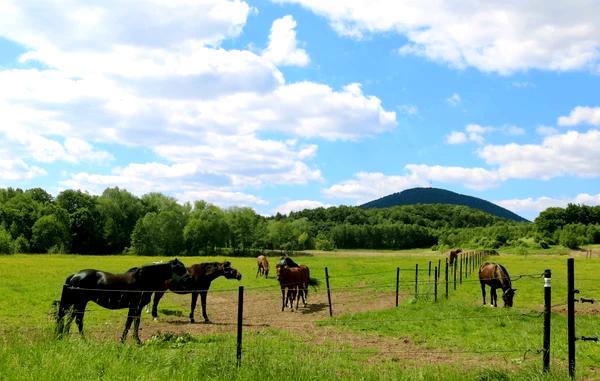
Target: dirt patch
{"x":262,"y":312}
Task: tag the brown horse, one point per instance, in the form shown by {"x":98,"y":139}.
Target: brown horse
{"x":201,"y":275}
{"x":453,"y":255}
{"x":263,"y":266}
{"x":496,"y":276}
{"x":296,"y":280}
{"x":132,"y":289}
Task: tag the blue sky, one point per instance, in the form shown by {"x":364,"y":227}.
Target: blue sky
{"x":289,"y":104}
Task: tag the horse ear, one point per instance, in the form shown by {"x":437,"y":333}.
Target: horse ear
{"x":227,"y":264}
{"x":514,"y":289}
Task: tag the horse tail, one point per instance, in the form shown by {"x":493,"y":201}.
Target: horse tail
{"x":313,"y":282}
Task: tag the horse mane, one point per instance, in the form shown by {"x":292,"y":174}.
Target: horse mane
{"x":505,"y":271}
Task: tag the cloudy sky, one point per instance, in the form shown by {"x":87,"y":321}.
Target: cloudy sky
{"x":287,"y":104}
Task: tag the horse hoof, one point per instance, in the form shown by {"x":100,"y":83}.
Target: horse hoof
{"x":192,"y":321}
{"x":155,"y":319}
{"x":206,"y":321}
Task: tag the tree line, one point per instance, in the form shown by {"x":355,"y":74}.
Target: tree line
{"x":33,"y":221}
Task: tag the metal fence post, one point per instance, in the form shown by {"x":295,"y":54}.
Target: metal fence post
{"x":397,"y":284}
{"x":571,"y":314}
{"x":239,"y":325}
{"x":328,"y":292}
{"x":547,"y":317}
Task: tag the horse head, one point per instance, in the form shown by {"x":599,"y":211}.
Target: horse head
{"x":229,"y":272}
{"x":179,"y":273}
{"x":508,"y":296}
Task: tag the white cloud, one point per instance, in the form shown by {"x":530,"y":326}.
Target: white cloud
{"x":408,"y":109}
{"x":569,"y":154}
{"x":155,"y":76}
{"x":536,"y":205}
{"x":546,"y":130}
{"x":581,"y":115}
{"x":473,"y":133}
{"x":502,"y":37}
{"x":298,"y":205}
{"x":17,"y":170}
{"x":456,"y":137}
{"x":282,"y":49}
{"x":366,"y":186}
{"x":453,"y":100}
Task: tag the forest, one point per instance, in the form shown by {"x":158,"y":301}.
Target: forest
{"x":34,"y":221}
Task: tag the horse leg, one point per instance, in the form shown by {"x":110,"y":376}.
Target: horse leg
{"x":299,"y":293}
{"x":258,"y":271}
{"x":157,"y":296}
{"x":79,"y":313}
{"x":136,"y":323}
{"x":283,"y":301}
{"x":494,"y":297}
{"x":483,"y":292}
{"x":130,"y":317}
{"x":193,"y":306}
{"x":203,"y":295}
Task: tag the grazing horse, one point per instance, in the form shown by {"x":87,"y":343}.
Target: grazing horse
{"x":201,"y":275}
{"x":496,"y":276}
{"x":132,"y":289}
{"x":453,"y":255}
{"x":263,"y":266}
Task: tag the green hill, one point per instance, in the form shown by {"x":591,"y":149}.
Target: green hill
{"x":441,"y":196}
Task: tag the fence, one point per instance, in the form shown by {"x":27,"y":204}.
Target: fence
{"x":457,"y":274}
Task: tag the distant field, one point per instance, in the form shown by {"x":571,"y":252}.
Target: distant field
{"x":368,"y":338}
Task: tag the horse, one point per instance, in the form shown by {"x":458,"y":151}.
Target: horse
{"x":453,"y":255}
{"x":132,"y":289}
{"x":201,"y":275}
{"x":296,"y":280}
{"x":496,"y":276}
{"x":285,"y":260}
{"x":263,"y":266}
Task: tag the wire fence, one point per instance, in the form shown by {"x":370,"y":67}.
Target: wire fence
{"x":345,"y":297}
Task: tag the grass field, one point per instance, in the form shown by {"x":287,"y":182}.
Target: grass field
{"x":367,"y":339}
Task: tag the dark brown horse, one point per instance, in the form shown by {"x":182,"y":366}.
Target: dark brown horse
{"x":453,"y":255}
{"x":263,"y":266}
{"x":201,"y":275}
{"x":132,"y":290}
{"x":496,"y":276}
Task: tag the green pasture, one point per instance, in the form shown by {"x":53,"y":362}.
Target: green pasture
{"x":487,"y":343}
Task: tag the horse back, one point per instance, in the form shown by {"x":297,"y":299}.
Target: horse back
{"x":291,"y":276}
{"x":493,"y":274}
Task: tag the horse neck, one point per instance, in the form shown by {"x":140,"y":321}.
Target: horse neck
{"x":209,"y":273}
{"x":503,"y":277}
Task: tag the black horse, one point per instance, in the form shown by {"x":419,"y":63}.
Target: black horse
{"x":496,"y":276}
{"x":201,"y":275}
{"x":132,"y":289}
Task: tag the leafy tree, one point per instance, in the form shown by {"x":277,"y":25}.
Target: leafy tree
{"x":120,"y":211}
{"x":49,"y":232}
{"x":5,"y":241}
{"x":242,"y":224}
{"x":84,"y":221}
{"x":206,"y":229}
{"x":158,"y":234}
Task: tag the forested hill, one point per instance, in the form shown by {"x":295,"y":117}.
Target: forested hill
{"x":441,"y":196}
